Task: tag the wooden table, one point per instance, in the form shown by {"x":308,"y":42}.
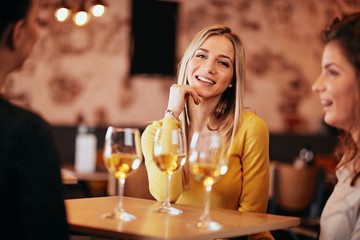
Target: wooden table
{"x":84,"y":216}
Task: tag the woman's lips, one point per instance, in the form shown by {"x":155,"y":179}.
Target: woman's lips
{"x":203,"y":79}
{"x":326,"y":103}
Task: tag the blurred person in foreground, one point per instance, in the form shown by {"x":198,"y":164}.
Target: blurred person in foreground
{"x":31,"y":202}
{"x":338,"y":87}
{"x":208,"y":97}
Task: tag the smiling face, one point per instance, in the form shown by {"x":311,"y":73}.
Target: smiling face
{"x":336,"y":87}
{"x":211,"y":68}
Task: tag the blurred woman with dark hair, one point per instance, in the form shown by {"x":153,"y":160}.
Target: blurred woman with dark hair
{"x":339,"y":90}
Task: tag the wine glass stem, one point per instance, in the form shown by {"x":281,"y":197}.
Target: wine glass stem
{"x":207,"y":190}
{"x":121,"y":194}
{"x":166,"y":204}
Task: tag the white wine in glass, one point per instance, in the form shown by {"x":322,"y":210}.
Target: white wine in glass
{"x":169,"y":156}
{"x":208,"y":163}
{"x":122,"y":156}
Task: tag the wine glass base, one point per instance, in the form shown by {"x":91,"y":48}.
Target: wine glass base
{"x":207,"y":225}
{"x":168,"y":210}
{"x":124,"y":216}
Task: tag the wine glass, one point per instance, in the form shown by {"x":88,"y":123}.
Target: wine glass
{"x":208,"y":163}
{"x":169,"y":156}
{"x":122,"y":156}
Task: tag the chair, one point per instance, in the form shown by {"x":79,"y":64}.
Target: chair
{"x":298,"y":192}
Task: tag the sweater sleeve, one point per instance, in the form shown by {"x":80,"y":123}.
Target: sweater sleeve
{"x":157,"y":179}
{"x":255,"y":161}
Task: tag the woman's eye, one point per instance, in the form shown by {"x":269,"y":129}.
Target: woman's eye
{"x":200,"y":55}
{"x":224,"y":63}
{"x":332,"y":73}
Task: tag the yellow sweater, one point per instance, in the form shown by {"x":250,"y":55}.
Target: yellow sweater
{"x":244,"y":187}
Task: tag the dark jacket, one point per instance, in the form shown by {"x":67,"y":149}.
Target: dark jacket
{"x":31,"y":192}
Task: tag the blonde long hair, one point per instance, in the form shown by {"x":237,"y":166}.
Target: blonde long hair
{"x":228,"y":110}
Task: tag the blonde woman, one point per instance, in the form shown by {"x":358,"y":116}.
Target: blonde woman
{"x":208,"y":97}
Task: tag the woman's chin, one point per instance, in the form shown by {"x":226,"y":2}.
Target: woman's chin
{"x":333,"y":123}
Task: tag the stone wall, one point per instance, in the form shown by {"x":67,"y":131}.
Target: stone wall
{"x":83,"y":73}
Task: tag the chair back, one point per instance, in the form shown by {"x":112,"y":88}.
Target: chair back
{"x":297,"y":189}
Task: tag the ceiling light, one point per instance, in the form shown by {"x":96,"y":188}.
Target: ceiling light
{"x":62,"y":13}
{"x":81,"y":17}
{"x":99,"y":8}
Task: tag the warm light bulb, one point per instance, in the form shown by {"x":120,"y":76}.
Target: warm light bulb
{"x":98,"y":10}
{"x":62,"y":14}
{"x":81,"y":18}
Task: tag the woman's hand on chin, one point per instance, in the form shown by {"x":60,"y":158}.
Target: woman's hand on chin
{"x":178,"y":97}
